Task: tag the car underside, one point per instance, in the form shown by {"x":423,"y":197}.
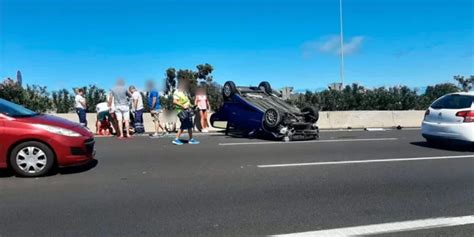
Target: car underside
{"x":260,"y":111}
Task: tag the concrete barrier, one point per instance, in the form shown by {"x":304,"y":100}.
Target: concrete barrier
{"x":370,"y":119}
{"x":327,"y":120}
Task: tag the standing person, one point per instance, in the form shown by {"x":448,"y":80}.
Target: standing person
{"x":138,"y":109}
{"x":203,"y":104}
{"x":80,"y":105}
{"x":153,"y":100}
{"x":113,"y":117}
{"x":119,"y":98}
{"x":183,"y":108}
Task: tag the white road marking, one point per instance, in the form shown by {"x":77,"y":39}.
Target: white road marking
{"x":388,"y":227}
{"x":365,"y":161}
{"x":310,"y":141}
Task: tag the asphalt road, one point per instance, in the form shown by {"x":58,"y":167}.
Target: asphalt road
{"x":238,"y":187}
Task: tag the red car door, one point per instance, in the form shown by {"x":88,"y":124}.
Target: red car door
{"x":3,"y":141}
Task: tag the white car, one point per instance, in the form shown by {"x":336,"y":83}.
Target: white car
{"x":450,"y":117}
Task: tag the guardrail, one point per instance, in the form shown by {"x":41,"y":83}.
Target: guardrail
{"x":327,"y":120}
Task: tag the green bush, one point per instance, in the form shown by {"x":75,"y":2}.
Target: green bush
{"x":33,"y":96}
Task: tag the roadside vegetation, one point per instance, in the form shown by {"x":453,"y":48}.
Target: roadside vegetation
{"x":352,"y":97}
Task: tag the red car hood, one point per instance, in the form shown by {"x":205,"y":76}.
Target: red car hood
{"x":50,"y":120}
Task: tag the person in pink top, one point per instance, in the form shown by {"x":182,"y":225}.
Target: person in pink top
{"x":203,"y":104}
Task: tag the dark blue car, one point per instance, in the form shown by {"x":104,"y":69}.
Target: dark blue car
{"x":259,"y":111}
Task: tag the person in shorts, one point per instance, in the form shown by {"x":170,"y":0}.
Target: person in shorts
{"x":153,"y":100}
{"x":182,"y":106}
{"x":119,"y":98}
{"x":80,"y":106}
{"x":203,"y":104}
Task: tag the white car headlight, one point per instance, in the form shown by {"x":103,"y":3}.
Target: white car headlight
{"x":58,"y":130}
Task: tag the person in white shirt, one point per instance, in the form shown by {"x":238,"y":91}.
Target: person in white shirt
{"x":104,"y":120}
{"x":138,"y":109}
{"x":80,"y":106}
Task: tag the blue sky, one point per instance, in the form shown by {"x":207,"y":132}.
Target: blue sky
{"x":77,"y":42}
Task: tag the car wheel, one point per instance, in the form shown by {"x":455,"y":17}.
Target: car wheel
{"x":272,"y":118}
{"x":229,"y":90}
{"x":311,"y":114}
{"x":265,"y":86}
{"x":31,"y":159}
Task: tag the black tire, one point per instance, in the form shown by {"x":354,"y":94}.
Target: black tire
{"x":272,"y":118}
{"x":265,"y":86}
{"x":44,"y":160}
{"x":229,"y":90}
{"x":311,"y":114}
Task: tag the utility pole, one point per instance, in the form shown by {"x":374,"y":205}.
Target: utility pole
{"x":342,"y":43}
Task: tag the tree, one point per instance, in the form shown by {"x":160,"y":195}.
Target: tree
{"x":190,"y":77}
{"x":214,"y":92}
{"x":434,"y":92}
{"x":63,"y":101}
{"x":34,"y":97}
{"x":12,"y":92}
{"x":37,"y":98}
{"x":204,"y":71}
{"x":93,"y":95}
{"x":170,"y":80}
{"x":466,"y":83}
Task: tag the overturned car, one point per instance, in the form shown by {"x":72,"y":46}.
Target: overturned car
{"x":260,"y":111}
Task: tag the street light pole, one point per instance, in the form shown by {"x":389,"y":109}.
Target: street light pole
{"x":342,"y":43}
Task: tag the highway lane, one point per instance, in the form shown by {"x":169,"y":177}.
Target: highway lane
{"x":148,"y":187}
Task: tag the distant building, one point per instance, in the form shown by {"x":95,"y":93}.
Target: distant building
{"x":335,"y":86}
{"x":286,"y":92}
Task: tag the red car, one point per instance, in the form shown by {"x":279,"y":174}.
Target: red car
{"x":32,"y":144}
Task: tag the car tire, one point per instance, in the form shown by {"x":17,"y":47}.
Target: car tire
{"x":272,"y":118}
{"x":229,"y":90}
{"x":311,"y":114}
{"x":266,"y":87}
{"x":32,"y":159}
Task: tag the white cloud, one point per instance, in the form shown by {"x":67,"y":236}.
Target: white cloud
{"x":331,"y":45}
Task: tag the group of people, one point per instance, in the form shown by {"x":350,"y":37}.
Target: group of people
{"x":124,"y":110}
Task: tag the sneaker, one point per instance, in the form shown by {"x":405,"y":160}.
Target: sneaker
{"x":177,"y":142}
{"x":154,"y":135}
{"x":164,"y":133}
{"x":205,"y":130}
{"x":193,"y":141}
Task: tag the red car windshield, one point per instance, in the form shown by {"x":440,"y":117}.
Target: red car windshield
{"x":15,"y":111}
